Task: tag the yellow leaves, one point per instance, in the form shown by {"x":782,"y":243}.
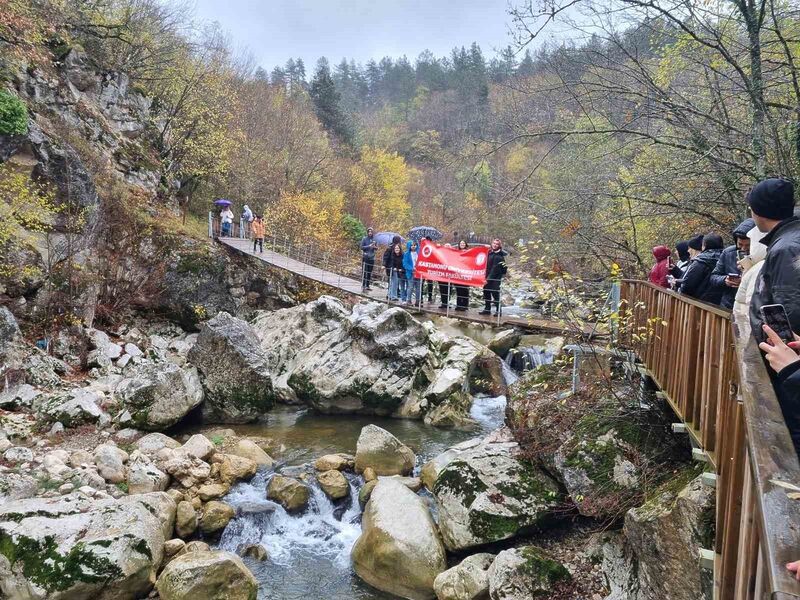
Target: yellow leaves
{"x":316,"y":215}
{"x":382,"y":179}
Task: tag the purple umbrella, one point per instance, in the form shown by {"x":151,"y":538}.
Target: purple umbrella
{"x":222,"y":202}
{"x":384,"y":238}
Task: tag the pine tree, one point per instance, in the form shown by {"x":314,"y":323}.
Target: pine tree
{"x":327,"y":103}
{"x":526,"y":66}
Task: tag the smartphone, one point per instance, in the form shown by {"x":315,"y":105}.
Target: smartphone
{"x":775,"y":316}
{"x":736,"y":275}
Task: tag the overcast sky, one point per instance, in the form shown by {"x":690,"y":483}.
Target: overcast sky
{"x":276,"y":30}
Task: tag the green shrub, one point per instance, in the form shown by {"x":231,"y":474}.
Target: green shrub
{"x":353,"y":228}
{"x":13,"y":114}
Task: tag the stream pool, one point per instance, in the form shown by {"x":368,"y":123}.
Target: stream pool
{"x":309,"y":554}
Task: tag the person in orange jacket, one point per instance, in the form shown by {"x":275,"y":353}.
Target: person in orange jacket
{"x":257,"y":233}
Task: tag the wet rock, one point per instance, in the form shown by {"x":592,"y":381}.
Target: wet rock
{"x":91,"y":549}
{"x":504,"y":341}
{"x":215,"y":574}
{"x":216,"y":516}
{"x":337,"y":462}
{"x":185,"y":519}
{"x":366,"y":491}
{"x":234,"y":370}
{"x":523,"y":573}
{"x":212,"y":491}
{"x":159,"y":395}
{"x":469,"y":580}
{"x":334,"y":484}
{"x":252,"y":451}
{"x":256,"y":551}
{"x":399,"y":550}
{"x":289,"y":493}
{"x":379,"y":449}
{"x":487,"y":495}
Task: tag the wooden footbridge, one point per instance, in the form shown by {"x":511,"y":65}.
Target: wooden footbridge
{"x":344,"y":274}
{"x":708,"y":367}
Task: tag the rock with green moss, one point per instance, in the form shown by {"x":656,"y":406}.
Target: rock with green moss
{"x":658,"y":555}
{"x":202,"y":575}
{"x":399,"y":550}
{"x":524,"y":573}
{"x":72,"y":408}
{"x":488,"y":494}
{"x":234,"y":369}
{"x":159,"y":394}
{"x":76,"y":548}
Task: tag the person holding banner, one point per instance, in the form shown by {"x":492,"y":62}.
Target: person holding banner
{"x":462,"y":291}
{"x":495,"y":269}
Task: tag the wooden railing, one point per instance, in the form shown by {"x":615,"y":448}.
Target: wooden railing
{"x":709,"y":369}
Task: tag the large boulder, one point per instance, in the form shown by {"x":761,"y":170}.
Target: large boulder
{"x":76,"y":548}
{"x":207,"y":575}
{"x":431,"y":469}
{"x":468,"y":580}
{"x":159,"y":394}
{"x":399,"y":550}
{"x":72,"y":408}
{"x":658,"y":556}
{"x":379,"y":449}
{"x":292,"y":495}
{"x":524,"y":573}
{"x":488,"y":494}
{"x":235,"y":371}
{"x":342,"y":362}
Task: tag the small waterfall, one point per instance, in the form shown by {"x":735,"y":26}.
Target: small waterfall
{"x":490,"y":412}
{"x":526,"y":359}
{"x":509,"y":376}
{"x":325,"y":530}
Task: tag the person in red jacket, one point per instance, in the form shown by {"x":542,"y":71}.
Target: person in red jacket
{"x":660,"y":271}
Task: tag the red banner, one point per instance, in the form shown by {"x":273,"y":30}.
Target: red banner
{"x":463,"y":267}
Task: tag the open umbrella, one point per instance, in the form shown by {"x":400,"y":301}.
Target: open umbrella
{"x":421,"y":232}
{"x":222,"y":202}
{"x":384,"y":238}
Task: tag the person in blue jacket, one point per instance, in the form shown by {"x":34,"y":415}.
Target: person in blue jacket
{"x":409,"y":262}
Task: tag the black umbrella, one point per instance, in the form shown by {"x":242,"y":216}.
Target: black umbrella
{"x":421,"y":232}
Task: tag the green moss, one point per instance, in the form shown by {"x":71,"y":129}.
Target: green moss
{"x":122,"y":486}
{"x":302,"y":386}
{"x":527,"y":482}
{"x":543,"y":569}
{"x":142,"y":548}
{"x":661,"y":497}
{"x":491,"y":527}
{"x":43,"y":565}
{"x":460,"y":479}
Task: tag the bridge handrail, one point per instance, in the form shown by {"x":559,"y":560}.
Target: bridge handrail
{"x":710,"y":370}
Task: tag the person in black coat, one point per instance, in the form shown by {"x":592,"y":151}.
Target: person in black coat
{"x":462,"y":291}
{"x":697,"y":281}
{"x":727,"y":264}
{"x":785,"y":374}
{"x":495,"y":270}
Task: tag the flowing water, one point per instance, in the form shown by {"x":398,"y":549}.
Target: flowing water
{"x":309,"y":554}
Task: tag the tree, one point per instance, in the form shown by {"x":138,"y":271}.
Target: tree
{"x":326,"y":102}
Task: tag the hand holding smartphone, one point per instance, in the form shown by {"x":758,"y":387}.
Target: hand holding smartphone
{"x":775,"y":316}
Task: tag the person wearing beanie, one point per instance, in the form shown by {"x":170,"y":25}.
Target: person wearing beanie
{"x":722,"y":278}
{"x":772,"y":204}
{"x":678,"y":269}
{"x":695,"y":246}
{"x":660,"y":271}
{"x":697,"y":281}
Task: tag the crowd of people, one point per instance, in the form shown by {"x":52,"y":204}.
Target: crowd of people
{"x":405,"y":286}
{"x":759,"y":272}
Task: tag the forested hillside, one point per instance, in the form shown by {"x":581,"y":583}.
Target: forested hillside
{"x":646,"y":127}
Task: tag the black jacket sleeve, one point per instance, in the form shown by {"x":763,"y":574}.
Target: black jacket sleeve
{"x":789,"y":378}
{"x":782,"y":279}
{"x":694,"y":279}
{"x":725,"y":265}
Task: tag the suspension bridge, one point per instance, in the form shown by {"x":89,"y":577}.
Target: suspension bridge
{"x":343,"y":273}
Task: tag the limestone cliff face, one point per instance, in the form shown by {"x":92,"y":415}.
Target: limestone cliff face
{"x":92,"y":136}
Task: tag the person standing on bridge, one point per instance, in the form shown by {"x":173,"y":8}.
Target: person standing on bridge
{"x":226,"y":219}
{"x":257,"y":233}
{"x":397,"y":274}
{"x":772,"y":205}
{"x":660,"y":271}
{"x":462,"y":291}
{"x":495,"y":270}
{"x":368,"y":246}
{"x":409,"y":263}
{"x":726,"y":276}
{"x":697,"y":281}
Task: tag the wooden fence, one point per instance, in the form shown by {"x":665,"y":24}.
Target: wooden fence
{"x":709,"y":369}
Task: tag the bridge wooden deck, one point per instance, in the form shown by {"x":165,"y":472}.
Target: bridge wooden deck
{"x":353,"y":286}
